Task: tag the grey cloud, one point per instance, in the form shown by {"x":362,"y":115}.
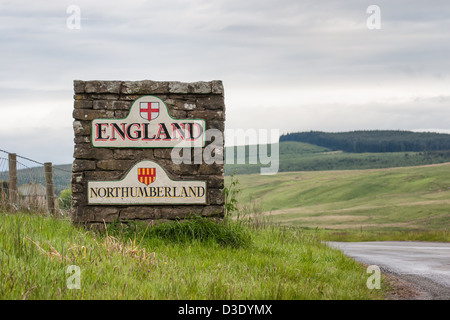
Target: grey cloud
{"x":421,"y":113}
{"x":254,"y":46}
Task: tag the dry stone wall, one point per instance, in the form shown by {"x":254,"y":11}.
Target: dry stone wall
{"x":95,"y":100}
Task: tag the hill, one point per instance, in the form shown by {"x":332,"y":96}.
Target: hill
{"x":292,"y":158}
{"x":413,"y":198}
{"x":374,"y":140}
{"x":315,"y":151}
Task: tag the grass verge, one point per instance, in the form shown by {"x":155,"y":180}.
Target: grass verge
{"x":195,"y":228}
{"x":172,"y":262}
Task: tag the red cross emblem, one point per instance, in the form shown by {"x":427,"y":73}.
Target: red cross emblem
{"x":149,"y":110}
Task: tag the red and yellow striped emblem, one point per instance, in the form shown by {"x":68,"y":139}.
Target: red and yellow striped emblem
{"x":146,"y":175}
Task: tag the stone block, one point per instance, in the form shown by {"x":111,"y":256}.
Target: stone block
{"x":144,"y":87}
{"x":83,"y":104}
{"x":185,"y":105}
{"x":147,"y":154}
{"x":200,"y":87}
{"x":101,"y":214}
{"x":82,"y":139}
{"x":103,"y":175}
{"x":122,"y":105}
{"x":212,"y":211}
{"x":82,"y":96}
{"x":211,"y":103}
{"x":207,"y":115}
{"x":77,"y":188}
{"x":121,"y":114}
{"x":97,"y":86}
{"x":114,"y":165}
{"x":127,"y":154}
{"x":217,"y":87}
{"x":215,"y":197}
{"x":215,"y":124}
{"x":178,"y":114}
{"x":165,"y":153}
{"x":78,"y":86}
{"x":210,"y":169}
{"x":179,"y":212}
{"x":89,"y":115}
{"x":140,"y":213}
{"x":213,"y":154}
{"x":103,"y":104}
{"x":105,"y":96}
{"x":82,"y":128}
{"x":129,"y":97}
{"x":83,"y":165}
{"x":215,"y":182}
{"x":78,"y":199}
{"x":87,"y":151}
{"x":77,"y":178}
{"x":178,"y":87}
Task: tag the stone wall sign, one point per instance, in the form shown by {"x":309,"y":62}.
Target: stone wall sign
{"x":126,"y":137}
{"x":146,"y":183}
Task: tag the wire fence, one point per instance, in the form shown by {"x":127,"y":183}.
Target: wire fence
{"x":31,"y":186}
{"x":4,"y":177}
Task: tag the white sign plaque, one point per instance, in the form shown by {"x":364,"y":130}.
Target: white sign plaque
{"x":146,"y":183}
{"x":148,"y":125}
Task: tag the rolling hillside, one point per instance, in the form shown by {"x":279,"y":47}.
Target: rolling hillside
{"x":414,"y":198}
{"x":316,"y":151}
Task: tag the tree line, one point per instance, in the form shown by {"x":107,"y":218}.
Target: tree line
{"x":374,"y":140}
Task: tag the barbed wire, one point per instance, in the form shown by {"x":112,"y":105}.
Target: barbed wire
{"x":3,"y":169}
{"x":32,"y":193}
{"x":37,"y":162}
{"x":31,"y":190}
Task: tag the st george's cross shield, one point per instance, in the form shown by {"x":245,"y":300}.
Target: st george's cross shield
{"x":149,"y":110}
{"x":146,"y":175}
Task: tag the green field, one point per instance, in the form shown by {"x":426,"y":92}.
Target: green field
{"x":410,"y":199}
{"x":300,"y":156}
{"x":176,"y":261}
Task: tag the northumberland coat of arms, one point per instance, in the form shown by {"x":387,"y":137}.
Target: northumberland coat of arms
{"x":146,"y":175}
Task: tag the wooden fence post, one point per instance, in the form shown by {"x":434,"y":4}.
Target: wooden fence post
{"x":49,"y":188}
{"x":13,"y":188}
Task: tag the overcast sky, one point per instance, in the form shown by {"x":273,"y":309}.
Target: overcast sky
{"x":291,"y":65}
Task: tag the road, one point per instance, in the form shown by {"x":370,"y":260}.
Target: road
{"x":426,"y":265}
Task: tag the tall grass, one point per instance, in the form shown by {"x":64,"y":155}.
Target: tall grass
{"x":177,"y":261}
{"x":195,"y":228}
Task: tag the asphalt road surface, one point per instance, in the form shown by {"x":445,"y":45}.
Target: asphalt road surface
{"x":426,"y":265}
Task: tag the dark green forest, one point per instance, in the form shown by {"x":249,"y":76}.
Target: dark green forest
{"x":374,"y":140}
